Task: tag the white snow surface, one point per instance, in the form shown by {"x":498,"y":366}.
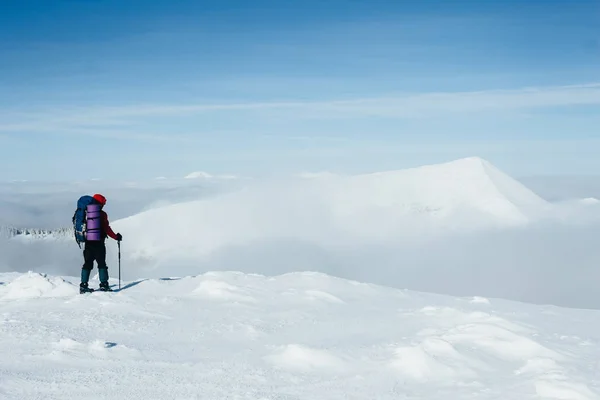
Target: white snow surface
{"x":463,"y":195}
{"x":228,"y":335}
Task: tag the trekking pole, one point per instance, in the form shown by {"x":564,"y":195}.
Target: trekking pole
{"x":119,"y":243}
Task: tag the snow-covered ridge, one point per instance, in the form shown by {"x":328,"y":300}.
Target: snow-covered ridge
{"x":467,"y":184}
{"x":293,"y":336}
{"x":464,"y":195}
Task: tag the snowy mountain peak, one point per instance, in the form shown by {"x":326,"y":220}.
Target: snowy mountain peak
{"x":458,"y":186}
{"x":199,"y":175}
{"x":462,"y":195}
{"x":207,"y":176}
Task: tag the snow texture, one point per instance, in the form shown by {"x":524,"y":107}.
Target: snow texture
{"x":227,"y":335}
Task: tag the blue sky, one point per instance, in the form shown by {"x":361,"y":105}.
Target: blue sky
{"x":98,"y":89}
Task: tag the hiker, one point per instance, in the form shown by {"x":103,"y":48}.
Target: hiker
{"x":98,"y":229}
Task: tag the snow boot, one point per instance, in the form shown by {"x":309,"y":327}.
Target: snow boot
{"x":104,"y":287}
{"x":103,"y":275}
{"x":83,"y":288}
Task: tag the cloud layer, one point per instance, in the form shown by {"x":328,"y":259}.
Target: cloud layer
{"x":552,"y":260}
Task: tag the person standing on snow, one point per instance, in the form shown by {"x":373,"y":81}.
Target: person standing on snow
{"x":95,"y":248}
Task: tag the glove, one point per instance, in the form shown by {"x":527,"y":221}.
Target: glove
{"x":119,"y":237}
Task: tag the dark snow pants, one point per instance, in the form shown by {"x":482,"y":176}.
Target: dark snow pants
{"x":94,"y":251}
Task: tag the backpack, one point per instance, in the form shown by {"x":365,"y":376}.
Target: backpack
{"x":84,"y":225}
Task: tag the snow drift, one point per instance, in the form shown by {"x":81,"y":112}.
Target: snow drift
{"x":293,"y":336}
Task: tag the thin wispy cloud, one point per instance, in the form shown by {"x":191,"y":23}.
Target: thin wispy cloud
{"x":133,"y":135}
{"x":434,"y":104}
{"x":100,"y":120}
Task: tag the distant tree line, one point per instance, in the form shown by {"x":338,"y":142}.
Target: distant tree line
{"x":8,"y":232}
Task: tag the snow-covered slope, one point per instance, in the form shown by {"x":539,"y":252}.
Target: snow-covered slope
{"x":295,"y":336}
{"x":464,"y":193}
{"x":458,"y":196}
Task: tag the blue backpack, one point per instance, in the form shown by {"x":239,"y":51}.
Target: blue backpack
{"x":80,"y":218}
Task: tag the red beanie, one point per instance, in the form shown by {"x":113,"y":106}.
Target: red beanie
{"x":100,"y":199}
